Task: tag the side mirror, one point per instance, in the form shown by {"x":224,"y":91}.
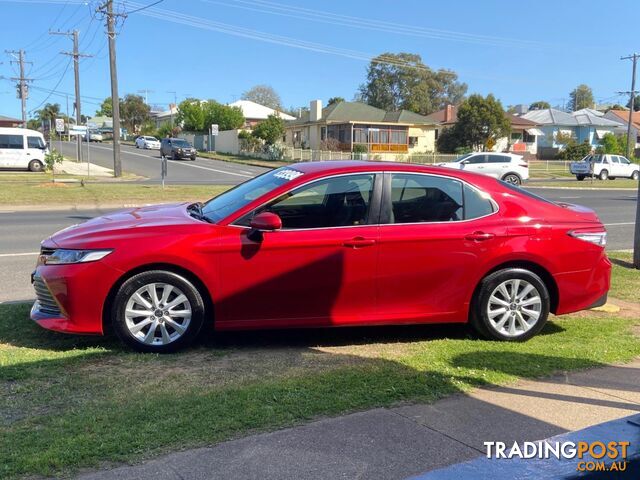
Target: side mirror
{"x":464,"y":162}
{"x":266,"y":222}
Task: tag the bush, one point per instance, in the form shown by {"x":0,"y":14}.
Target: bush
{"x":330,"y":145}
{"x":270,"y":130}
{"x":358,"y":150}
{"x":274,"y":152}
{"x":575,"y":151}
{"x":52,"y":158}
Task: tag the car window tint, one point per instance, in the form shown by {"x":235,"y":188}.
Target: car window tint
{"x":477,"y":159}
{"x":499,"y":159}
{"x":35,"y":142}
{"x":12,"y":141}
{"x":425,"y":198}
{"x":614,"y":159}
{"x":333,"y":202}
{"x":624,"y":160}
{"x":476,"y":203}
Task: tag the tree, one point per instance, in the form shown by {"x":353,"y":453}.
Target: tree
{"x":50,"y":111}
{"x":333,"y":100}
{"x":191,"y":115}
{"x":106,"y":108}
{"x":134,"y":112}
{"x":226,"y":117}
{"x":403,"y":81}
{"x":481,"y":120}
{"x":636,"y":103}
{"x":263,"y":95}
{"x":539,"y":105}
{"x":581,"y":97}
{"x":271,"y":130}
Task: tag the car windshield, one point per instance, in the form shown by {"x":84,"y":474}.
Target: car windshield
{"x":151,"y":139}
{"x":459,"y":159}
{"x":181,"y":143}
{"x":224,"y":205}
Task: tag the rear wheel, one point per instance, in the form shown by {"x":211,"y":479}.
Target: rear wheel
{"x":157,"y":311}
{"x":635,"y":175}
{"x":510,"y":305}
{"x":512,"y":178}
{"x":35,"y":166}
{"x":604,"y":174}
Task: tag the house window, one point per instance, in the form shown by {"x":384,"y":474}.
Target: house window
{"x":516,"y":137}
{"x":341,"y":135}
{"x":436,"y":133}
{"x":323,"y":133}
{"x":413,"y":141}
{"x":528,"y":138}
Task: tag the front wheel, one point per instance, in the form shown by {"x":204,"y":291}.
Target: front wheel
{"x":193,"y":159}
{"x":635,"y":175}
{"x":604,"y":174}
{"x":510,"y":305}
{"x":580,"y":177}
{"x":512,"y":178}
{"x":36,"y":166}
{"x":157,"y":311}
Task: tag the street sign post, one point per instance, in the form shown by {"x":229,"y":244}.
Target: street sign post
{"x":163,"y":168}
{"x":60,"y":131}
{"x":213,"y":132}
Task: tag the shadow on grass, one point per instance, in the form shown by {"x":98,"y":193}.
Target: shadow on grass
{"x":622,"y":263}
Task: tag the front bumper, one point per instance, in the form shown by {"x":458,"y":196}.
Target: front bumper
{"x":71,"y":298}
{"x":183,"y":155}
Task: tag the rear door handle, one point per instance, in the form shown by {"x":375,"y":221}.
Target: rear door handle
{"x":359,"y":242}
{"x":479,"y":236}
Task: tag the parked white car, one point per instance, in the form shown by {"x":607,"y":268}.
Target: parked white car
{"x":22,"y":148}
{"x":604,"y":166}
{"x":505,"y":166}
{"x":151,"y":143}
{"x":95,"y":136}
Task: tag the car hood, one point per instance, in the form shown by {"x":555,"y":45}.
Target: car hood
{"x":119,"y":226}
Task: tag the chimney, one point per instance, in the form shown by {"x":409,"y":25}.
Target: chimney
{"x":448,"y":113}
{"x":315,"y":110}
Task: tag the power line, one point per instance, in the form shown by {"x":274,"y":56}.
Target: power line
{"x":54,"y":88}
{"x":23,"y":89}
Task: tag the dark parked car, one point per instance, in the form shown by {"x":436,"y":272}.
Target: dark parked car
{"x":177,"y":149}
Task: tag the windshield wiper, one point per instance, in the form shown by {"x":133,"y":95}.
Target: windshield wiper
{"x":195,"y":210}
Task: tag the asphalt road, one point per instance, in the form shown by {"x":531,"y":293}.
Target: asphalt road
{"x":18,"y":250}
{"x":146,"y":163}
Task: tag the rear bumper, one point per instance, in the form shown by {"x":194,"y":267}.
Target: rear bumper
{"x":584,"y":289}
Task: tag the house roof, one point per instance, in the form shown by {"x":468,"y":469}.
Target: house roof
{"x":4,"y":118}
{"x":256,"y":111}
{"x":439,"y":117}
{"x":551,"y":116}
{"x":361,"y":112}
{"x":623,"y":115}
{"x":589,"y":111}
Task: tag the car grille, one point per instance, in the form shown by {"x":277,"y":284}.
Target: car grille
{"x":47,"y":303}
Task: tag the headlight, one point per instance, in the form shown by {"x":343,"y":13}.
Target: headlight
{"x":64,"y":257}
{"x":595,"y":237}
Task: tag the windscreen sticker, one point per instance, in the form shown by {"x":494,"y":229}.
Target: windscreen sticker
{"x":288,"y":174}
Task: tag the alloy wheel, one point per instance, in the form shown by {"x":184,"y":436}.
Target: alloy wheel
{"x":157,"y":314}
{"x":512,"y":179}
{"x":514,"y":307}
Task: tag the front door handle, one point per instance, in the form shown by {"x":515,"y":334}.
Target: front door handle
{"x":479,"y":236}
{"x":359,"y":242}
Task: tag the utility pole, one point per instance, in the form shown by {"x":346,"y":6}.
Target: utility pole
{"x":107,"y":10}
{"x":23,"y":89}
{"x":636,"y":239}
{"x":175,"y":102}
{"x":146,"y":92}
{"x":76,"y":73}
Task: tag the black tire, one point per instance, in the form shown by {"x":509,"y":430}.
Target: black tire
{"x":580,"y":177}
{"x":635,"y":175}
{"x":193,"y":159}
{"x":137,"y":145}
{"x":479,"y":317}
{"x":179,"y":283}
{"x":36,"y":166}
{"x":512,"y":178}
{"x":604,"y":174}
{"x":174,"y":156}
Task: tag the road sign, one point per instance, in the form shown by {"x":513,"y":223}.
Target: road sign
{"x":214,"y":129}
{"x":60,"y":125}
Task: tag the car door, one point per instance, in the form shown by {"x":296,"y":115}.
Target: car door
{"x":615,"y":170}
{"x":476,"y":163}
{"x":319,"y":269}
{"x":497,"y":165}
{"x":436,"y":233}
{"x":626,"y":168}
{"x":12,"y":152}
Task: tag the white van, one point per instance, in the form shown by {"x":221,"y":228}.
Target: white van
{"x":22,"y":148}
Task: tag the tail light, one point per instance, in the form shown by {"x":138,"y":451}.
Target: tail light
{"x":597,"y":237}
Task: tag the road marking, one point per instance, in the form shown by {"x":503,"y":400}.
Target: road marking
{"x":181,"y":164}
{"x":18,"y":254}
{"x":568,"y":198}
{"x":616,"y":224}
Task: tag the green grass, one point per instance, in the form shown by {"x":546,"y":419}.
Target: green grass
{"x":47,"y":193}
{"x":243,"y":160}
{"x":587,"y":183}
{"x":625,"y":280}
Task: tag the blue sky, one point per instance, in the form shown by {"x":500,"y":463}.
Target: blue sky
{"x":521,"y":52}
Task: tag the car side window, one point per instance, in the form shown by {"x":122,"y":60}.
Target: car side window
{"x":499,"y":159}
{"x":12,"y":141}
{"x":476,"y":159}
{"x":341,"y":201}
{"x":35,"y":142}
{"x":425,"y":198}
{"x":476,"y":203}
{"x":624,"y":160}
{"x":614,"y":159}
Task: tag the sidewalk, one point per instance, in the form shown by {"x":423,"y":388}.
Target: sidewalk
{"x":409,"y":440}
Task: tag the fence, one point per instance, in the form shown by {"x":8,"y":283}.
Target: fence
{"x":304,"y":155}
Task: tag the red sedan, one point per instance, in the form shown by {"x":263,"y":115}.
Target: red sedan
{"x":327,"y":244}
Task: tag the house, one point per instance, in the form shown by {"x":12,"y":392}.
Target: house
{"x":9,"y":122}
{"x":582,"y":125}
{"x":356,"y":123}
{"x":523,"y":137}
{"x":622,"y":116}
{"x":100,"y":122}
{"x":166,"y":117}
{"x":255,"y":113}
